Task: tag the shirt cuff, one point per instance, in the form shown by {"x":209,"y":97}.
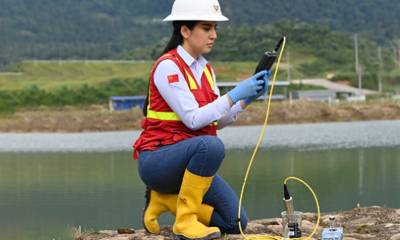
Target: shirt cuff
{"x":230,"y":116}
{"x":223,"y":105}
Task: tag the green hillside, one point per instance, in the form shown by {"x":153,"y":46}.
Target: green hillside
{"x":314,"y":50}
{"x":103,"y":29}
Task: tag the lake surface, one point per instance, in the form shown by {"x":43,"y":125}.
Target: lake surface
{"x":304,"y":136}
{"x":44,"y":195}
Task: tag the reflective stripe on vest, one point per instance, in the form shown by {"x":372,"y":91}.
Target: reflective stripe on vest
{"x":169,"y":116}
{"x":209,"y":78}
{"x":192,"y":83}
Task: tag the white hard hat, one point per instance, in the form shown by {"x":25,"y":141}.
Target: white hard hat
{"x":196,"y":10}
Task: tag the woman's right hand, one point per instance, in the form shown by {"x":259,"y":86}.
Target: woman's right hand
{"x":248,"y":88}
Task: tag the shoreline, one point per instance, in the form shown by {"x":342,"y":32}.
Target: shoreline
{"x":98,"y":118}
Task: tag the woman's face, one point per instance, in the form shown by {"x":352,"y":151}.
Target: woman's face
{"x":200,"y":39}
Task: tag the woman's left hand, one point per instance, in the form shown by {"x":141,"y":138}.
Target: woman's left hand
{"x":262,"y":91}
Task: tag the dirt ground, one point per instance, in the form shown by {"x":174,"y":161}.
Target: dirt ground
{"x":372,"y":223}
{"x":98,"y":118}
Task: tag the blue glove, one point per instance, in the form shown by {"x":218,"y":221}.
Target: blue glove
{"x":248,"y":88}
{"x":261,"y":92}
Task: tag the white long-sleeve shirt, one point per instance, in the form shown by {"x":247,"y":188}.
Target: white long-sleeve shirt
{"x":180,"y":99}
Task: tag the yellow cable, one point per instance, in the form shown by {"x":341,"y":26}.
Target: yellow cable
{"x":253,"y":157}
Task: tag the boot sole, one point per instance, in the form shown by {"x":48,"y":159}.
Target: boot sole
{"x":209,"y":237}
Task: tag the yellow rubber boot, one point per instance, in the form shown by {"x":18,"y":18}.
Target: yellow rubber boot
{"x":187,"y":225}
{"x":158,"y":203}
{"x":205,"y":214}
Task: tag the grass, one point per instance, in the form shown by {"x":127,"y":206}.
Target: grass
{"x":50,"y":75}
{"x":235,"y":71}
{"x":53,"y":74}
{"x":232,"y":71}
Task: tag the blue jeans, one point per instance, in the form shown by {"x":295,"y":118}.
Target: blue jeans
{"x":162,"y":170}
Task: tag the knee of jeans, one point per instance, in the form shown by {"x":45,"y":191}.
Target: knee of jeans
{"x":215,"y":146}
{"x":233,"y":226}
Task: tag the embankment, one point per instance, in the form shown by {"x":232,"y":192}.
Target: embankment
{"x":98,"y":118}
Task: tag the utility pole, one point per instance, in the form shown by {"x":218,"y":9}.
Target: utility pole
{"x":59,"y":53}
{"x":396,"y":51}
{"x":288,"y":66}
{"x":380,"y":72}
{"x":358,"y":68}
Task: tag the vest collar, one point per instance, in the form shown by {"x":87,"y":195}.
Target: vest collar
{"x":189,"y":60}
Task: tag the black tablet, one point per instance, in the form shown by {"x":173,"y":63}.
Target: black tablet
{"x":268,"y":59}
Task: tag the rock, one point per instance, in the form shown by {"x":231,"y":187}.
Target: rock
{"x":307,"y":226}
{"x":364,"y":221}
{"x":375,"y":206}
{"x":126,"y":231}
{"x":310,"y":216}
{"x":233,"y":237}
{"x":398,"y":212}
{"x":395,"y":237}
{"x":361,"y":236}
{"x":269,"y":221}
{"x":120,"y":238}
{"x":275,"y":229}
{"x":253,"y":227}
{"x":326,"y":222}
{"x":109,"y":232}
{"x":361,"y":223}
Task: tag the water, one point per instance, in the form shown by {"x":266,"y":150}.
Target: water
{"x":44,"y":195}
{"x":304,"y":136}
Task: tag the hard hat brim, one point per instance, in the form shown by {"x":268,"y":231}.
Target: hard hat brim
{"x":219,"y":18}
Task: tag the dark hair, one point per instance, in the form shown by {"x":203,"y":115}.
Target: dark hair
{"x":175,"y":40}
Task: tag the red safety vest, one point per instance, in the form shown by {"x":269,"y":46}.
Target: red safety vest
{"x":162,"y":125}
